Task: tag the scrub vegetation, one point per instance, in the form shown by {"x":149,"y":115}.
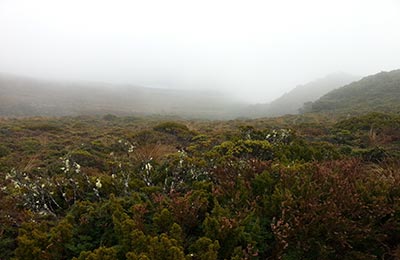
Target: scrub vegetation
{"x":295,"y":187}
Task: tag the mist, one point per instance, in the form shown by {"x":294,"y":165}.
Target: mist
{"x":252,"y":51}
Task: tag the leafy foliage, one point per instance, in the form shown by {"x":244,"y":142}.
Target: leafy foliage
{"x":306,"y":187}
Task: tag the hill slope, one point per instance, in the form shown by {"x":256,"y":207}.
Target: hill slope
{"x":379,"y":92}
{"x":20,"y":96}
{"x":291,"y":102}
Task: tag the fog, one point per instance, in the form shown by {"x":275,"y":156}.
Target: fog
{"x":251,"y":50}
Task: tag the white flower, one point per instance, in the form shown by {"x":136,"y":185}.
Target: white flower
{"x":77,"y":168}
{"x":148,"y":167}
{"x":98,"y":183}
{"x":113,"y":176}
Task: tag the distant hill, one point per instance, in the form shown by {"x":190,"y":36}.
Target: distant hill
{"x":22,"y":96}
{"x":291,"y":102}
{"x":378,"y":93}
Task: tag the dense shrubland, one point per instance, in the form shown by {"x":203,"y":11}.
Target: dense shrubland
{"x":379,"y":92}
{"x":295,"y":187}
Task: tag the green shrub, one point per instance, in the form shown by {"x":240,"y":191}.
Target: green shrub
{"x":84,"y":158}
{"x":4,"y":151}
{"x":171,"y":128}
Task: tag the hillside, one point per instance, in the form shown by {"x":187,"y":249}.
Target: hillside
{"x":379,"y":92}
{"x":21,"y":96}
{"x":291,"y":102}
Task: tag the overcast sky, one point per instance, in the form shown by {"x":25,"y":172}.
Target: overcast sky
{"x":255,"y":50}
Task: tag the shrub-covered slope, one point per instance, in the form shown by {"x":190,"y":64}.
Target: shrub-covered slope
{"x":291,"y":102}
{"x":380,"y":92}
